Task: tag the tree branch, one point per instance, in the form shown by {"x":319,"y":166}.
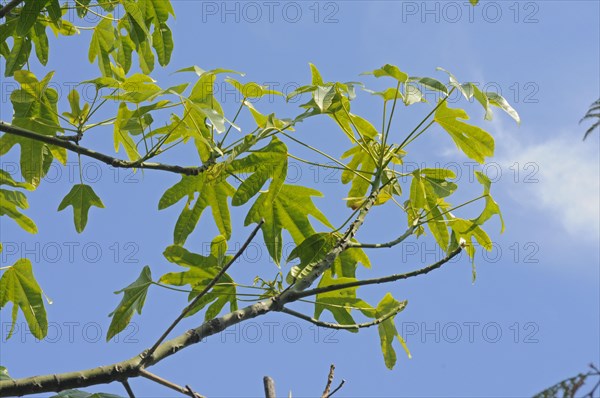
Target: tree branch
{"x":329,"y":382}
{"x":269,"y":384}
{"x":342,"y":244}
{"x":112,"y":161}
{"x":163,"y":382}
{"x":375,"y":281}
{"x":338,"y":326}
{"x":392,"y":243}
{"x":130,"y":393}
{"x":206,"y":289}
{"x":134,"y":367}
{"x":9,"y":7}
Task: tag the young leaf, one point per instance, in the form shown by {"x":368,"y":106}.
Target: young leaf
{"x":202,"y":270}
{"x":475,"y":142}
{"x":134,"y":297}
{"x":10,"y":202}
{"x":389,"y":71}
{"x":18,"y":285}
{"x":290,"y":211}
{"x":491,"y":207}
{"x":387,"y":329}
{"x":268,"y":162}
{"x":499,"y":101}
{"x":4,"y":376}
{"x":81,"y":198}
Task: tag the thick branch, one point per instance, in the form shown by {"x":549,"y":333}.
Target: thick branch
{"x":375,"y":281}
{"x":134,"y":366}
{"x":9,"y":7}
{"x":338,"y":326}
{"x":392,"y":243}
{"x":112,"y":161}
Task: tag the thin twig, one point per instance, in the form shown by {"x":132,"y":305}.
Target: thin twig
{"x":338,"y":326}
{"x":163,"y":382}
{"x":206,"y":289}
{"x":337,"y":388}
{"x":114,"y":162}
{"x":128,"y":388}
{"x":329,"y":381}
{"x":392,"y":243}
{"x":385,"y":279}
{"x":9,"y":7}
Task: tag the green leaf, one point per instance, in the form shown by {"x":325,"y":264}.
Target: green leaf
{"x":162,"y":41}
{"x":475,"y":142}
{"x":40,"y":39}
{"x":389,"y":71}
{"x":499,"y":101}
{"x":83,"y":394}
{"x":491,"y":207}
{"x":252,"y":90}
{"x":310,"y":252}
{"x":4,"y":374}
{"x":268,"y":162}
{"x":202,"y":270}
{"x":317,"y":80}
{"x":29,"y":15}
{"x":81,"y":198}
{"x":6,"y":179}
{"x":430,"y":83}
{"x":18,"y":286}
{"x":10,"y":202}
{"x":102,"y":44}
{"x":387,"y":329}
{"x":134,"y":297}
{"x":363,"y":163}
{"x":290,"y":211}
{"x":121,"y":133}
{"x":339,"y":302}
{"x":212,"y":193}
{"x":18,"y":55}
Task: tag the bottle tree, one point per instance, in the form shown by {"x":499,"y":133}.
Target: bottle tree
{"x":238,"y":165}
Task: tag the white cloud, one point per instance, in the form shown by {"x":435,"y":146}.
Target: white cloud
{"x":568,"y":171}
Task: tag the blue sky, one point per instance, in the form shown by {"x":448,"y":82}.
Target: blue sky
{"x":529,"y":320}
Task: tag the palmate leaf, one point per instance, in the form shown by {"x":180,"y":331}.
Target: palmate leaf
{"x":289,"y":210}
{"x":202,"y":270}
{"x":475,"y":142}
{"x":18,"y":286}
{"x":81,"y":198}
{"x":387,"y":329}
{"x":267,"y":163}
{"x":134,"y":297}
{"x":102,"y":44}
{"x":34,"y":106}
{"x":213,"y":191}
